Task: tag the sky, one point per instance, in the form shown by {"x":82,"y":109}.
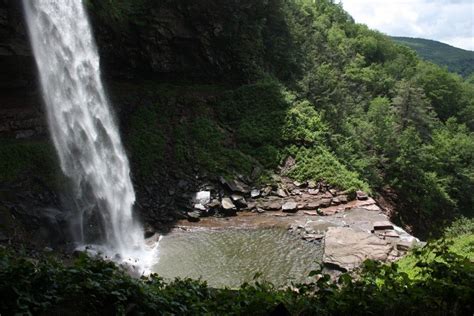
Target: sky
{"x":447,"y":21}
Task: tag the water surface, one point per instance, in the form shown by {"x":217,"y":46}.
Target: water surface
{"x":233,"y":256}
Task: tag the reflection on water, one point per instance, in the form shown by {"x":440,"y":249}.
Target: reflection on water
{"x":232,"y":257}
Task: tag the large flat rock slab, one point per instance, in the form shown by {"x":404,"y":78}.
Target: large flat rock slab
{"x":346,"y":248}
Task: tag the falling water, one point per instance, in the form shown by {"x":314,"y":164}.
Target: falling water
{"x":83,"y":129}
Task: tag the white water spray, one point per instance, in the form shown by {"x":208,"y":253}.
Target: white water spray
{"x":83,"y":130}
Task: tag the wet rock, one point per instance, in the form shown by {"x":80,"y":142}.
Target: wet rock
{"x":255,"y":193}
{"x":313,"y":191}
{"x":290,"y":206}
{"x":310,"y":213}
{"x":333,"y":192}
{"x":227,"y":204}
{"x":362,"y":196}
{"x":149,"y":231}
{"x":336,"y":201}
{"x":152,"y":240}
{"x":345,"y":248}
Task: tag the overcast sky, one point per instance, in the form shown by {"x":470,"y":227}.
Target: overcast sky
{"x":447,"y":21}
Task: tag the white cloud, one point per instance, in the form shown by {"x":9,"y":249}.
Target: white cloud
{"x":448,"y":21}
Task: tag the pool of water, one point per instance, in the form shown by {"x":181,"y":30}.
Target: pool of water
{"x":228,"y":258}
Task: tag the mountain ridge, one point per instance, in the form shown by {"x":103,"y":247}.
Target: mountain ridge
{"x":457,"y":60}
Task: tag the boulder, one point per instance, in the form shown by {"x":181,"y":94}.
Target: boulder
{"x":281,"y":193}
{"x":251,"y":205}
{"x":194,"y":216}
{"x":290,"y":206}
{"x":346,"y":248}
{"x":239,"y":200}
{"x":255,"y":193}
{"x":214,"y":204}
{"x":227,"y":204}
{"x":343,"y":199}
{"x":235,"y":186}
{"x":313,"y":191}
{"x":202,"y":197}
{"x":199,"y":207}
{"x":325,"y":202}
{"x":267,"y":191}
{"x":362,"y":196}
{"x":273,"y":206}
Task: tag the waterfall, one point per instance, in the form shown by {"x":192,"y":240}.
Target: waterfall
{"x":83,"y":130}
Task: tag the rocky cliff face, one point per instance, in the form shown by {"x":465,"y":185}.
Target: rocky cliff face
{"x":16,"y":60}
{"x":163,"y":40}
{"x":20,"y":106}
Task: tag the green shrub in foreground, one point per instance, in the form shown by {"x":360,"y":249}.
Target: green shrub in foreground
{"x":96,"y":287}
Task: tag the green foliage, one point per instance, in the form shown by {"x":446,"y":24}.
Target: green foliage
{"x":442,"y":285}
{"x":457,"y":60}
{"x":319,"y":164}
{"x":459,"y":227}
{"x":444,"y":90}
{"x":304,"y":125}
{"x":348,"y":102}
{"x":160,"y":135}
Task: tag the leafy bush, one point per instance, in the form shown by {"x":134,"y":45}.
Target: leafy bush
{"x":320,"y":164}
{"x":96,"y":287}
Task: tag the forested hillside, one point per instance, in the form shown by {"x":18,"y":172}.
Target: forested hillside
{"x":230,"y":88}
{"x":353,"y":107}
{"x":457,"y":60}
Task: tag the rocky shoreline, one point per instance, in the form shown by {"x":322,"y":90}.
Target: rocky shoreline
{"x":351,"y":227}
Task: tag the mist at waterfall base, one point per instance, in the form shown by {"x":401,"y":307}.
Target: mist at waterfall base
{"x":84,"y":133}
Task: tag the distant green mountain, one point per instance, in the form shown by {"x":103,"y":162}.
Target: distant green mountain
{"x":456,"y":59}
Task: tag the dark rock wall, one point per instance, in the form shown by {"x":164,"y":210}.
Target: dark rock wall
{"x":21,"y":114}
{"x":16,"y":62}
